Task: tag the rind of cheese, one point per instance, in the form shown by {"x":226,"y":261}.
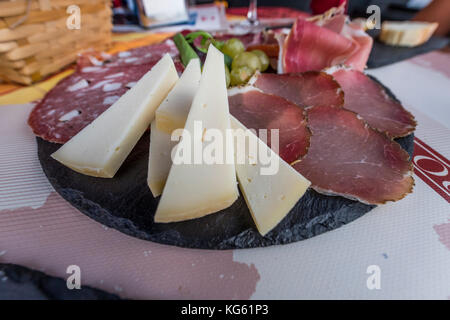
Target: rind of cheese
{"x":160,"y":160}
{"x":268,"y":197}
{"x":101,"y":147}
{"x":172,"y":113}
{"x":196,"y":190}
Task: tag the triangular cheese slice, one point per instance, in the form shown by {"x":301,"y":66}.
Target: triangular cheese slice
{"x":195,"y":190}
{"x":169,"y":116}
{"x":160,"y":160}
{"x":172,"y":113}
{"x":269,"y":197}
{"x":100,"y":148}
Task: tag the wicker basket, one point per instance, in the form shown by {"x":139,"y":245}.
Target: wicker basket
{"x":35,"y":40}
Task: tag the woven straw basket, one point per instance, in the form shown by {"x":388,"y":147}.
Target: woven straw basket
{"x":37,"y":40}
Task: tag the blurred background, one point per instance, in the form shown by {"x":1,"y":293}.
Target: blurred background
{"x":127,"y":11}
{"x":41,"y":37}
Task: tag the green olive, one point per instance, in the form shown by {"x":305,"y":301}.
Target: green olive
{"x":239,"y":76}
{"x":227,"y":76}
{"x":246,"y":59}
{"x":263,"y":58}
{"x":233,"y":47}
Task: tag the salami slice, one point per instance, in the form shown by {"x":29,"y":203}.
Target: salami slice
{"x":348,"y":158}
{"x":97,"y":83}
{"x":367,"y":98}
{"x":80,"y":98}
{"x":304,"y":89}
{"x":258,"y":110}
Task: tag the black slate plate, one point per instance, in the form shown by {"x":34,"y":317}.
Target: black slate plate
{"x":20,"y":283}
{"x":125,"y":203}
{"x":383,"y":54}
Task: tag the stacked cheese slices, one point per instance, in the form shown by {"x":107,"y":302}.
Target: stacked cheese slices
{"x":173,"y":107}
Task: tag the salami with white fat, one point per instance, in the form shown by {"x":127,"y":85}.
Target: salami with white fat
{"x":95,"y":85}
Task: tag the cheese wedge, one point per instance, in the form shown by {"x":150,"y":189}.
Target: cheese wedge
{"x":172,"y":113}
{"x":268,"y":197}
{"x":195,"y":190}
{"x":160,"y":160}
{"x":100,"y":148}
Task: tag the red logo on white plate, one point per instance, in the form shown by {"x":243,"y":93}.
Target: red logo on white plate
{"x":432,"y":168}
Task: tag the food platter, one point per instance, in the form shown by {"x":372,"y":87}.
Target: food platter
{"x":126,"y":204}
{"x":248,"y":146}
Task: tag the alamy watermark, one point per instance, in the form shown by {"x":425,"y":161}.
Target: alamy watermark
{"x":373,"y":282}
{"x":73,"y":22}
{"x":374,"y":20}
{"x":74,"y":280}
{"x":231,"y":146}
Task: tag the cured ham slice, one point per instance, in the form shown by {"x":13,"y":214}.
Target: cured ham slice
{"x":258,"y":110}
{"x":324,"y":41}
{"x":367,"y":98}
{"x":364,"y":42}
{"x":311,"y":47}
{"x":304,"y":89}
{"x":348,"y":158}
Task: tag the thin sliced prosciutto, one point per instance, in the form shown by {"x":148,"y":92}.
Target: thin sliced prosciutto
{"x":348,"y":158}
{"x":311,"y":47}
{"x":323,"y":41}
{"x":258,"y":110}
{"x":304,"y":89}
{"x":367,"y":98}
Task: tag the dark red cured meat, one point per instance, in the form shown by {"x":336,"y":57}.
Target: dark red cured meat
{"x":304,"y":89}
{"x":348,"y":158}
{"x":367,"y":98}
{"x":258,"y":110}
{"x":88,"y":91}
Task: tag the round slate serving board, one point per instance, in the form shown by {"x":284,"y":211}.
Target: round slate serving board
{"x":125,"y":203}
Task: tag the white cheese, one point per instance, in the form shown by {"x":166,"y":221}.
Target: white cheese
{"x":172,"y":113}
{"x":195,"y":190}
{"x":160,"y":161}
{"x":268,"y":197}
{"x":102,"y":146}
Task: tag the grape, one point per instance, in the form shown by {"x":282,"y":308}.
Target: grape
{"x":233,"y":47}
{"x":263,"y":58}
{"x":246,"y":59}
{"x":241,"y":75}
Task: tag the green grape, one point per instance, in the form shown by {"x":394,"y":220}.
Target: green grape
{"x":239,"y":76}
{"x":263,"y":58}
{"x":233,"y":47}
{"x":246,"y":59}
{"x":227,"y":76}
